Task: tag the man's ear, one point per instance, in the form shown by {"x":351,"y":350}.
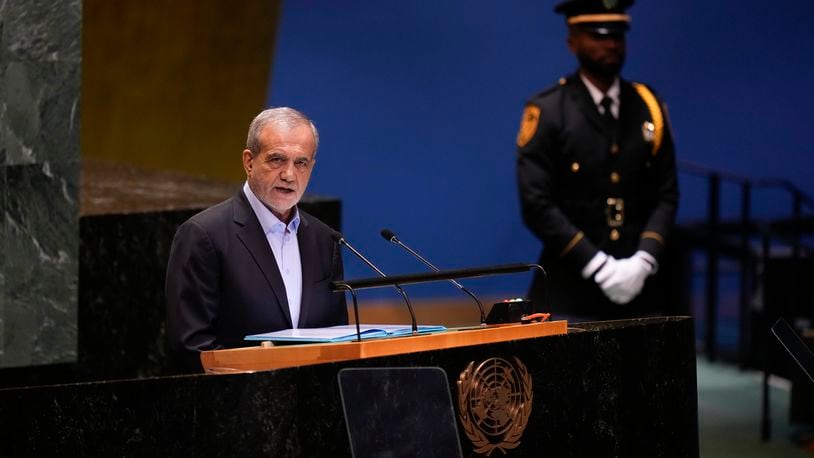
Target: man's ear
{"x":247,"y":162}
{"x":571,"y":42}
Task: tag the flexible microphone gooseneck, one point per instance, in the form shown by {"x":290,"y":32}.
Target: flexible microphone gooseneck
{"x":390,"y":236}
{"x":338,"y":238}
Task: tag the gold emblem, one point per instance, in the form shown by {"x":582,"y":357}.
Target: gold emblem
{"x":494,"y":404}
{"x":653,"y":132}
{"x":528,"y":126}
{"x":648,"y":131}
{"x":610,"y":4}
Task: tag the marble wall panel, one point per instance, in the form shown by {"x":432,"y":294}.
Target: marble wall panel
{"x":2,"y":245}
{"x":41,"y":245}
{"x":3,"y":127}
{"x":41,"y":53}
{"x":3,"y":188}
{"x":40,"y":64}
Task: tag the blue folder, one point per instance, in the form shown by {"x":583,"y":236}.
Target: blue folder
{"x":343,"y":333}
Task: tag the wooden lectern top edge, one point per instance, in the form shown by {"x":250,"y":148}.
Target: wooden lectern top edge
{"x":252,"y":359}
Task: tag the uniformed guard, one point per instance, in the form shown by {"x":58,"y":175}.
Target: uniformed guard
{"x":597,"y":177}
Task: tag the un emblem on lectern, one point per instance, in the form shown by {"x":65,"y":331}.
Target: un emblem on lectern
{"x":494,"y":404}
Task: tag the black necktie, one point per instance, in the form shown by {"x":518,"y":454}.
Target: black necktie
{"x":607,"y":115}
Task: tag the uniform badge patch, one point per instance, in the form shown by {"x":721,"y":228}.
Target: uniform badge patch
{"x":528,"y":125}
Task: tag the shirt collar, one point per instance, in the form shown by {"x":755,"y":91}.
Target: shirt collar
{"x":268,"y":220}
{"x":597,"y":95}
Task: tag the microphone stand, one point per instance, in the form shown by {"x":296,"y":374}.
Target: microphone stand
{"x":398,"y":242}
{"x":355,"y":310}
{"x":341,"y":240}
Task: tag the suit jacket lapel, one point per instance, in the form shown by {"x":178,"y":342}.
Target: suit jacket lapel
{"x":309,"y":259}
{"x":251,"y":235}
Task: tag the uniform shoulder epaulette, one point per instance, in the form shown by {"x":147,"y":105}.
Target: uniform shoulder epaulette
{"x":551,"y":89}
{"x":653,"y":130}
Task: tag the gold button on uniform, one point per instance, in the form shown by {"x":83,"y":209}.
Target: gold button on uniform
{"x":614,"y":235}
{"x":614,"y":177}
{"x":614,"y":149}
{"x":575,"y":167}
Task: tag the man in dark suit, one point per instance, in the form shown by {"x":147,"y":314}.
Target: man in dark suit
{"x":255,"y":263}
{"x":597,"y":177}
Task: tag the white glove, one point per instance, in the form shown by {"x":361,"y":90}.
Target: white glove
{"x":599,"y":260}
{"x":624,"y":280}
{"x":601,"y":266}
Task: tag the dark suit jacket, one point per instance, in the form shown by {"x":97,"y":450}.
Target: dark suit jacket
{"x":223,"y":282}
{"x":569,"y":168}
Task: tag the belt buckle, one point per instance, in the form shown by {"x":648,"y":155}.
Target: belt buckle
{"x":615,"y":211}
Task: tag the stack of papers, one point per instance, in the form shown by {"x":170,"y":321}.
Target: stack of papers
{"x":342,"y":333}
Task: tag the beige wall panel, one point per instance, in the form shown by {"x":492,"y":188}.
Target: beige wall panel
{"x":174,"y":84}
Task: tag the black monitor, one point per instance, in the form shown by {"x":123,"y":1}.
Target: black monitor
{"x":399,"y":411}
{"x":795,"y":346}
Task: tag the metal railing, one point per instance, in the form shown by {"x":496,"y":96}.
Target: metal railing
{"x":788,"y":231}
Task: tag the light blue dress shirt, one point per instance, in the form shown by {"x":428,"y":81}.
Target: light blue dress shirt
{"x":282,"y":239}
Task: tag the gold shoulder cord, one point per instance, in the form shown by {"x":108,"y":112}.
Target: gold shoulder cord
{"x":655,"y":113}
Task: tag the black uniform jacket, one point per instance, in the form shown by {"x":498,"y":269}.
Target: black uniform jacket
{"x":223,"y":282}
{"x":587,"y":186}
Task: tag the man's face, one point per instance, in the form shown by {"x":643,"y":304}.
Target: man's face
{"x":279,"y":173}
{"x":601,"y":55}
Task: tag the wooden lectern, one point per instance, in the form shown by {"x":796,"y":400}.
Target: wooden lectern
{"x":262,"y":358}
{"x":618,"y":388}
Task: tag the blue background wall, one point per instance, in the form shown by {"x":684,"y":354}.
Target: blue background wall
{"x":418,"y":105}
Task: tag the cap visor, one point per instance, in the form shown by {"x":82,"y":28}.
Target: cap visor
{"x":618,"y":28}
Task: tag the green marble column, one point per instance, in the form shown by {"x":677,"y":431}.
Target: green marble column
{"x":40,"y":61}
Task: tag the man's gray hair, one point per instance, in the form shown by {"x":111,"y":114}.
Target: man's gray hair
{"x":283,"y":116}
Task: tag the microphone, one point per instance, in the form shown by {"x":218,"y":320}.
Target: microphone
{"x":390,"y":236}
{"x":340,"y":239}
